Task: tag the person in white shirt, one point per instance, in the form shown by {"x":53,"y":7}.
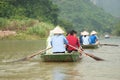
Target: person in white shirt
{"x":85,"y":38}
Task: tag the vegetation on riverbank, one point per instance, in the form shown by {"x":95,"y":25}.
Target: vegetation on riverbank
{"x":33,"y":19}
{"x":29,"y":18}
{"x":26,"y":29}
{"x":117,"y":29}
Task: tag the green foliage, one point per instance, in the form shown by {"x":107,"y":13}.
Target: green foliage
{"x":25,"y":28}
{"x":17,"y":24}
{"x":3,"y":22}
{"x":41,"y":29}
{"x":84,"y":15}
{"x":66,"y":24}
{"x":43,"y":10}
{"x":117,"y":29}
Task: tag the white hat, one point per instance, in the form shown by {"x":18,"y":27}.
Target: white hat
{"x":93,"y":32}
{"x":85,"y":33}
{"x":58,"y":30}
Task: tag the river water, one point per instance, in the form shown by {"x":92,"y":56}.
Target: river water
{"x":34,"y":69}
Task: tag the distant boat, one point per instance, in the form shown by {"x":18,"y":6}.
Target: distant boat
{"x":107,"y":36}
{"x":90,"y":46}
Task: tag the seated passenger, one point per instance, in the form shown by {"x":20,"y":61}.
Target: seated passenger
{"x":85,"y":38}
{"x":58,"y":41}
{"x":93,"y":38}
{"x":73,"y":41}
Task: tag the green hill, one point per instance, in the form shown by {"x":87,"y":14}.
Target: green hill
{"x":84,"y":15}
{"x":43,"y":10}
{"x":29,"y":18}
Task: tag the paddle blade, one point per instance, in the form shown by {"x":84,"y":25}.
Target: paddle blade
{"x":109,"y":45}
{"x":94,"y":57}
{"x":22,"y":59}
{"x":11,"y":61}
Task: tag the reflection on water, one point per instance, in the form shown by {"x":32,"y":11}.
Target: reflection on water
{"x":34,"y":69}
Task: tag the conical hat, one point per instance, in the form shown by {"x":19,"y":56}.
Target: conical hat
{"x":85,"y":33}
{"x":93,"y":32}
{"x":58,"y":30}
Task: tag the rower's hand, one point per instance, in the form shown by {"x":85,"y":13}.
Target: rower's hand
{"x":80,"y":50}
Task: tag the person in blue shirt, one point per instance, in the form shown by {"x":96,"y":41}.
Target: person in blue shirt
{"x":58,"y":41}
{"x":93,"y":38}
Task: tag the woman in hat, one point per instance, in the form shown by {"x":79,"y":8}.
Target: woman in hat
{"x":58,"y":41}
{"x":85,"y":38}
{"x":93,"y":38}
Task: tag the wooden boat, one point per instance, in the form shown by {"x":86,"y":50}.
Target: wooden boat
{"x":94,"y":46}
{"x":61,"y":57}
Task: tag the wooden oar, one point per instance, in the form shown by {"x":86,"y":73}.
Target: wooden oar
{"x":90,"y":55}
{"x":30,"y":56}
{"x":109,"y":44}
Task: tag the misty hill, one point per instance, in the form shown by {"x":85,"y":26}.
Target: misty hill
{"x":110,"y":6}
{"x":84,"y":15}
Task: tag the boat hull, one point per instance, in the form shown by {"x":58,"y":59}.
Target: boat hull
{"x":61,"y":57}
{"x":89,"y":46}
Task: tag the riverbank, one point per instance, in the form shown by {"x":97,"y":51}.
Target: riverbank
{"x":21,"y":36}
{"x":24,"y":29}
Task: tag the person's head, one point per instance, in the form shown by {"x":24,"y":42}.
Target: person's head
{"x":73,"y":32}
{"x":68,"y":33}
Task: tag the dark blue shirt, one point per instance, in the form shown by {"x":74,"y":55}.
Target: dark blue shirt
{"x":80,"y":38}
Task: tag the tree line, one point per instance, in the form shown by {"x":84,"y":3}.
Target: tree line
{"x":43,"y":10}
{"x":71,"y":14}
{"x":84,"y":15}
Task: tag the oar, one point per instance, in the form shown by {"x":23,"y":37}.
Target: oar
{"x":30,"y":56}
{"x":90,"y":55}
{"x":110,"y":44}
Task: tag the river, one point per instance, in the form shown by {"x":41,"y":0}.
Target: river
{"x":34,"y":69}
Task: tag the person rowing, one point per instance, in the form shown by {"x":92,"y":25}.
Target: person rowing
{"x":73,"y":40}
{"x":58,"y":41}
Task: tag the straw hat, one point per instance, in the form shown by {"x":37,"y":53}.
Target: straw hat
{"x":58,"y":30}
{"x":85,"y":33}
{"x":93,"y":32}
